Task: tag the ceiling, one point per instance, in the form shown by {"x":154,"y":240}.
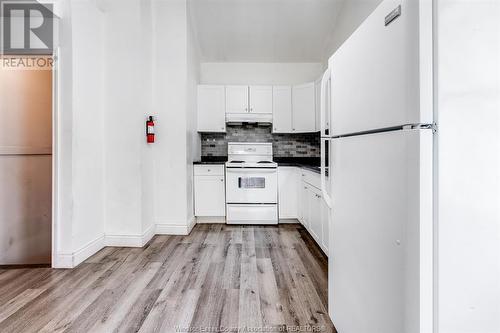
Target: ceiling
{"x":263,"y":30}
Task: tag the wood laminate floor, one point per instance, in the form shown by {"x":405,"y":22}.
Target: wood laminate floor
{"x":218,"y":279}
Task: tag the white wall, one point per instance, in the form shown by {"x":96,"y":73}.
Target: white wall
{"x":259,"y":73}
{"x":351,"y":15}
{"x":193,"y":145}
{"x":468,"y":37}
{"x":88,"y":124}
{"x":169,"y":100}
{"x":127,"y":83}
{"x":63,"y":161}
{"x":120,"y":62}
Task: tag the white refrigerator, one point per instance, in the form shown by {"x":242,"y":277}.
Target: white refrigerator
{"x":377,"y":145}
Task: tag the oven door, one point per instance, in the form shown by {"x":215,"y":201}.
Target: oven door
{"x":251,"y":186}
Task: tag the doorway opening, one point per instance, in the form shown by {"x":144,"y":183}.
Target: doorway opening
{"x":26,"y":109}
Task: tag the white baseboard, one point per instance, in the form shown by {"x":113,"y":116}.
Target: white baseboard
{"x":130,"y":240}
{"x":148,"y":234}
{"x":289,"y":221}
{"x":175,"y":229}
{"x":71,"y":260}
{"x":88,"y":250}
{"x":191,"y":224}
{"x":211,"y":219}
{"x":62,"y":260}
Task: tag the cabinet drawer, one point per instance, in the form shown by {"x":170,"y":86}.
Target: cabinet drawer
{"x":311,"y":178}
{"x":209,"y":170}
{"x":252,"y":214}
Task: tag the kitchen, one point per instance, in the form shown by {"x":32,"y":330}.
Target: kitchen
{"x":262,"y":165}
{"x":279,"y":125}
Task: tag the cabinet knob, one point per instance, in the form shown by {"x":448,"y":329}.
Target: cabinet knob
{"x":222,"y":180}
{"x":209,"y":170}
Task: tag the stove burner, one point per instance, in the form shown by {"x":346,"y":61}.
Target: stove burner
{"x":264,"y":162}
{"x":236,"y":162}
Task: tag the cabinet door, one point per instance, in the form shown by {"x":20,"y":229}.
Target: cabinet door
{"x":261,"y":99}
{"x":288,"y":185}
{"x":317,"y":104}
{"x":209,"y":196}
{"x":325,"y":223}
{"x":304,"y":205}
{"x":315,"y":213}
{"x":303,"y":108}
{"x":236,"y":99}
{"x":282,"y":109}
{"x":211,"y":109}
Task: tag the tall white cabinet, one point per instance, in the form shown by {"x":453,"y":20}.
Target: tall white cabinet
{"x":282,"y":109}
{"x":304,"y":108}
{"x":211,"y":108}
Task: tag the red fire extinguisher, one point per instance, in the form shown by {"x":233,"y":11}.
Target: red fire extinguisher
{"x":150,"y":129}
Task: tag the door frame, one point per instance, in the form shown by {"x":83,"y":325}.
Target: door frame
{"x":55,"y":158}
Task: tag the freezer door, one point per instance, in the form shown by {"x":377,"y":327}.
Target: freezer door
{"x":380,"y":261}
{"x":382,"y":75}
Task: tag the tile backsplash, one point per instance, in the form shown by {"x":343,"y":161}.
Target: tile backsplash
{"x":284,"y":145}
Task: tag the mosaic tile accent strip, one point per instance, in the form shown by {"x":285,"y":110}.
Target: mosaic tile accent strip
{"x":284,"y":145}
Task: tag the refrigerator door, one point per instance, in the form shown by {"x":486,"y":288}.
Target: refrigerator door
{"x":382,"y":75}
{"x":381,"y":237}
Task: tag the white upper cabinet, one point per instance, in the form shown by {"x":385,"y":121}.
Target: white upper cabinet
{"x":291,"y":109}
{"x":211,"y":108}
{"x":303,"y":108}
{"x":261,"y":99}
{"x":282,"y":109}
{"x":237,"y":99}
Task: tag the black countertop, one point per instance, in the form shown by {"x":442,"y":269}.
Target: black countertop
{"x":307,"y":163}
{"x":212,"y":160}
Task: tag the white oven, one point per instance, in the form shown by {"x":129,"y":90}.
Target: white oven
{"x":251,"y":184}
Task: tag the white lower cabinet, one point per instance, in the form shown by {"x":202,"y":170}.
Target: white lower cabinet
{"x":313,"y":211}
{"x":315,"y":227}
{"x":288,"y":186}
{"x":325,"y":224}
{"x":304,"y":205}
{"x":209,"y":191}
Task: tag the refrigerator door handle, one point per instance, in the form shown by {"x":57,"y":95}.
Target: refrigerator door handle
{"x":326,"y":196}
{"x":324,"y":82}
